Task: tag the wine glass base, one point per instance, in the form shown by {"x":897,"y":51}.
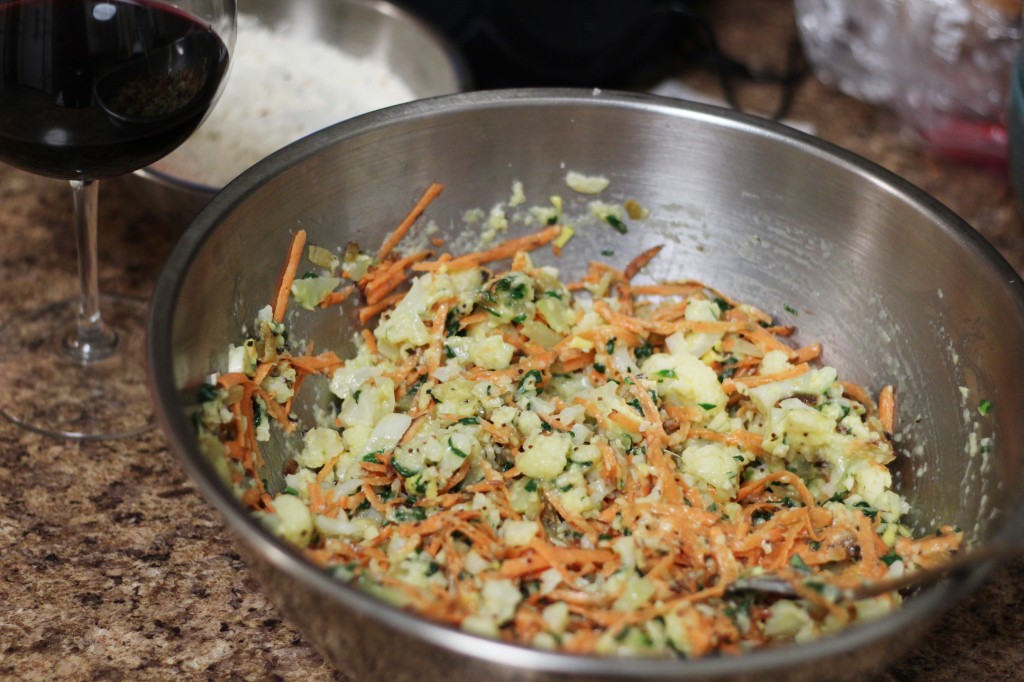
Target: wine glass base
{"x":45,"y":389}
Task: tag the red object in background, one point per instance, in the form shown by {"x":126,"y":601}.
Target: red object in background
{"x":967,"y":140}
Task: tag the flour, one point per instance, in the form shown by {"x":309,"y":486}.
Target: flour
{"x":281,"y":88}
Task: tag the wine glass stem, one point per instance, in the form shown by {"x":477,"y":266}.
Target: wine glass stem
{"x":91,"y":339}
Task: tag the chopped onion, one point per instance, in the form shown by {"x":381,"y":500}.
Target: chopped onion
{"x":388,"y":431}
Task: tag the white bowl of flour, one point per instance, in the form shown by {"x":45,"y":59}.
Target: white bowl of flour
{"x":300,"y":66}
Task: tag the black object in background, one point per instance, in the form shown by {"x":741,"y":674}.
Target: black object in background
{"x":509,"y":43}
{"x":592,"y":43}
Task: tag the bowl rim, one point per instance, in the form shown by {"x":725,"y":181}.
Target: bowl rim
{"x":922,"y":609}
{"x":461,"y":74}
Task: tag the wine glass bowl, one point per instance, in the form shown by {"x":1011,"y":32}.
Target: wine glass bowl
{"x":136,"y":93}
{"x":91,"y":89}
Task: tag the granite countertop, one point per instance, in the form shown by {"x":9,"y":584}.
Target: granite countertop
{"x":113,"y":567}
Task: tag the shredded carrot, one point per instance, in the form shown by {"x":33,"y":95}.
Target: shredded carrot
{"x":371,"y":311}
{"x":370,"y":340}
{"x":336,"y":297}
{"x":284,"y":282}
{"x":379,"y":282}
{"x":638,"y":263}
{"x":762,"y":379}
{"x":887,"y":409}
{"x":787,"y":477}
{"x":403,"y":228}
{"x":807,"y":353}
{"x":504,"y":250}
{"x":413,"y":429}
{"x":856,"y":392}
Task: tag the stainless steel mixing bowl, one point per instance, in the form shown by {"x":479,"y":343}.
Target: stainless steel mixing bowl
{"x":896,"y":287}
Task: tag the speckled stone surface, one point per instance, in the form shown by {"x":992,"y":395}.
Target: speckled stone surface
{"x":113,"y":567}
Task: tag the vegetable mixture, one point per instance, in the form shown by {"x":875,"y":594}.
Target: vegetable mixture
{"x":586,"y":466}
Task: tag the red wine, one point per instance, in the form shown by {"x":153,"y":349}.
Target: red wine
{"x":95,"y":88}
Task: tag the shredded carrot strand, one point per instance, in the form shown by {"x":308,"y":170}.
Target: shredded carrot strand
{"x":284,"y":283}
{"x":504,"y":250}
{"x":887,"y":409}
{"x":403,"y":228}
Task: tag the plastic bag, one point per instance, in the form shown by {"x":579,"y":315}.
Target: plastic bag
{"x":943,"y":65}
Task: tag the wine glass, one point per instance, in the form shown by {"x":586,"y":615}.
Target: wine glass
{"x":90,"y":89}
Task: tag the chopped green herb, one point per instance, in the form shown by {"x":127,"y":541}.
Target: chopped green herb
{"x":607,"y":252}
{"x":645,"y":351}
{"x":599,"y":368}
{"x":614,"y":221}
{"x":532,"y":374}
{"x":985,"y":406}
{"x":206,"y":393}
{"x":667,"y":373}
{"x":469,"y":420}
{"x":290,"y":491}
{"x":891,"y":558}
{"x":708,"y":406}
{"x":404,"y":472}
{"x":866,"y":509}
{"x":458,"y":453}
{"x":452,"y":323}
{"x":790,"y":309}
{"x":798,"y":563}
{"x":406,"y":514}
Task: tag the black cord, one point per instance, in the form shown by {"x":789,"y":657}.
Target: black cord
{"x":708,"y":51}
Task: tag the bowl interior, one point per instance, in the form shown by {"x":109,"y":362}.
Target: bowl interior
{"x":896,"y":288}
